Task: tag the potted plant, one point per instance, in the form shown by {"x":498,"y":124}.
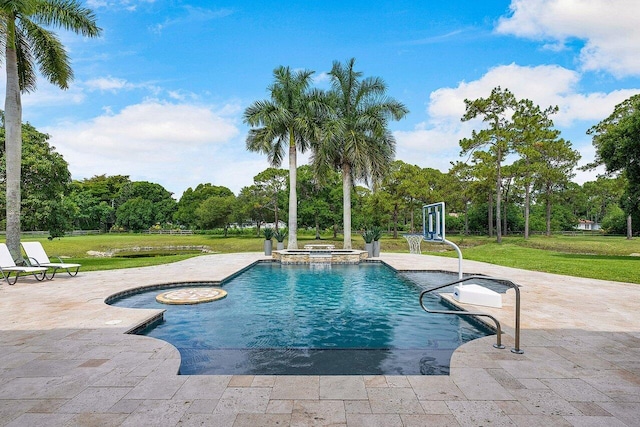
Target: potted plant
{"x":280,"y":236}
{"x":377,"y":234}
{"x":367,"y":235}
{"x":268,"y":244}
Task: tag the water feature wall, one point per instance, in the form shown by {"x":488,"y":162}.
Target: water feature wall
{"x":317,"y":256}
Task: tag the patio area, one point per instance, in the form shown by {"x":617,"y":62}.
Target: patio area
{"x":65,"y":360}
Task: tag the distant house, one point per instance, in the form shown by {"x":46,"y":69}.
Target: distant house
{"x":588,"y":225}
{"x":281,"y":225}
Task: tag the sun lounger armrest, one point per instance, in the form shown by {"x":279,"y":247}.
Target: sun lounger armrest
{"x":58,"y":258}
{"x":32,"y":262}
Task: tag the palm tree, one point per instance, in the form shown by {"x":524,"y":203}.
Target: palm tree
{"x":288,"y":120}
{"x":27,"y":42}
{"x":356,"y":140}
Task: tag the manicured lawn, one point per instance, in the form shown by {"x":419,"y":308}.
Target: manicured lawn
{"x":598,"y":257}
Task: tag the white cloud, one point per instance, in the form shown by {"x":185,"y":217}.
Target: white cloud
{"x":545,"y":85}
{"x":435,"y":141}
{"x":193,"y":15}
{"x":610,"y":29}
{"x":48,"y":95}
{"x":106,"y":84}
{"x":175,"y":145}
{"x":130,"y":5}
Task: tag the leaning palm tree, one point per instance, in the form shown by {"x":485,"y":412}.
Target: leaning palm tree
{"x":356,"y":140}
{"x":286,"y":121}
{"x":27,"y":42}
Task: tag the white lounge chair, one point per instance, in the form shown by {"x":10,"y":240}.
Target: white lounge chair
{"x":38,"y":257}
{"x":8,"y":266}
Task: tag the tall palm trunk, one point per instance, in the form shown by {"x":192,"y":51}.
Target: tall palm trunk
{"x":293,"y":195}
{"x":13,"y":146}
{"x":346,"y":201}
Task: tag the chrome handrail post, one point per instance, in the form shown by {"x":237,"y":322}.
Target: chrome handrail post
{"x":509,"y":283}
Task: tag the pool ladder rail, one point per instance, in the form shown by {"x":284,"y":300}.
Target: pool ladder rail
{"x":506,"y":282}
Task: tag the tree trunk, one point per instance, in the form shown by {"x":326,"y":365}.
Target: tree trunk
{"x":498,"y":199}
{"x":629,"y":229}
{"x":527,"y":201}
{"x":490,"y":214}
{"x":293,"y":195}
{"x":275,"y":213}
{"x":548,"y":203}
{"x":317,"y":227}
{"x":504,"y":217}
{"x":395,"y":221}
{"x":13,"y":149}
{"x":412,"y":217}
{"x":346,"y":201}
{"x":466,"y":218}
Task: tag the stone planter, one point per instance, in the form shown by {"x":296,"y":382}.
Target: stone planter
{"x":268,"y":246}
{"x":376,"y":248}
{"x":369,"y":248}
{"x":280,"y":246}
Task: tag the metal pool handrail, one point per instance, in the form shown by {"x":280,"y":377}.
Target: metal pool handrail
{"x":506,"y":282}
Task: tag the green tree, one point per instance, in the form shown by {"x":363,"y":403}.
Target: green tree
{"x":46,"y":181}
{"x":251,"y":204}
{"x":617,"y":143}
{"x":27,"y":42}
{"x":137,"y":196}
{"x":191,"y":199}
{"x":614,"y":221}
{"x":532,"y":129}
{"x":91,"y":213}
{"x":495,"y":111}
{"x":601,"y":194}
{"x":356,"y":139}
{"x":554,"y":170}
{"x":96,"y":200}
{"x":216,"y":211}
{"x":320,"y":205}
{"x":460,"y":187}
{"x":287,"y":121}
{"x":104,"y":188}
{"x":484,"y":172}
{"x":272,"y":183}
{"x":136,"y":214}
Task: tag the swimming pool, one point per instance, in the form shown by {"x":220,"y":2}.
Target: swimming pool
{"x":292,"y":319}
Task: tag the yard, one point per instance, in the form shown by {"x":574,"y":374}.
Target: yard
{"x":598,"y":257}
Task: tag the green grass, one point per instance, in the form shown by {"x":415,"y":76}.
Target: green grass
{"x":595,"y":257}
{"x":75,"y":248}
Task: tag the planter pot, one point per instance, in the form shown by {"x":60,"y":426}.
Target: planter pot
{"x":280,"y":246}
{"x":369,"y":248}
{"x":268,"y":246}
{"x":376,"y":248}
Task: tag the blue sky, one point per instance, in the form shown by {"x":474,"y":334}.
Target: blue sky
{"x":160,"y":95}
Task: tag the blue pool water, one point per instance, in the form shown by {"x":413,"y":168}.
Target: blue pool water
{"x":292,"y":319}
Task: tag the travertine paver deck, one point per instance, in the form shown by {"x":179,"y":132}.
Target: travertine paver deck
{"x":65,"y":361}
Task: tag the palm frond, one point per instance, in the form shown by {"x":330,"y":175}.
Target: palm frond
{"x":26,"y":68}
{"x":67,"y":14}
{"x":49,"y":53}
